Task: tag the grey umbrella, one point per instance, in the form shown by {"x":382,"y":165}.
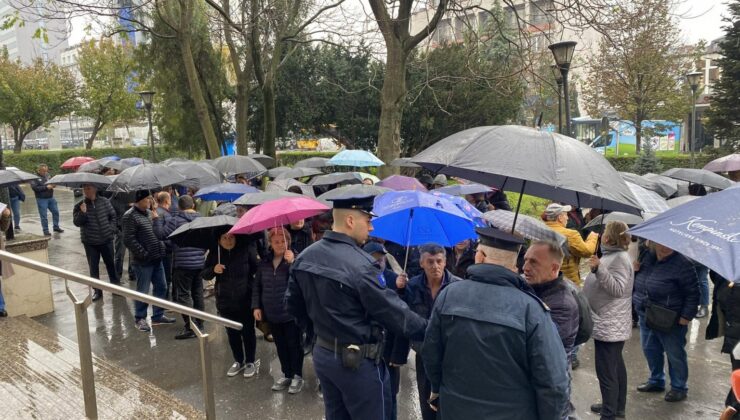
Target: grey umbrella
{"x":526,"y":226}
{"x":285,"y":184}
{"x":314,"y":162}
{"x":464,"y":189}
{"x":274,"y":172}
{"x":699,"y":176}
{"x":236,"y":165}
{"x":404,"y":163}
{"x":15,"y":176}
{"x":266,"y":161}
{"x":148,"y":176}
{"x":353,"y":191}
{"x":727,"y":163}
{"x":170,"y":161}
{"x":675,"y":202}
{"x":225,"y":209}
{"x":335,"y":178}
{"x":201,"y":173}
{"x":681,"y":187}
{"x":298,"y":173}
{"x":598,"y":222}
{"x":665,"y":190}
{"x":95,"y":165}
{"x":650,"y":201}
{"x":78,"y":179}
{"x":526,"y":160}
{"x":203,"y":232}
{"x":257,"y":199}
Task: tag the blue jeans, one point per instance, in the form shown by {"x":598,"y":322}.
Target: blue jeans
{"x":673,"y":344}
{"x":703,"y":273}
{"x":50,"y":204}
{"x":147,"y":276}
{"x":15,"y":207}
{"x":2,"y":299}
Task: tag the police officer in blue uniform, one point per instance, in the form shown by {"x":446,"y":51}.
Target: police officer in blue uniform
{"x":491,"y":350}
{"x":339,"y":290}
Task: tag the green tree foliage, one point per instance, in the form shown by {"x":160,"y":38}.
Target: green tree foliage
{"x":32,"y":96}
{"x":724,"y":112}
{"x":647,"y":161}
{"x":107,"y":73}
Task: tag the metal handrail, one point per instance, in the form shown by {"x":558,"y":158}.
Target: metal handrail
{"x":119,"y":290}
{"x":83,"y":331}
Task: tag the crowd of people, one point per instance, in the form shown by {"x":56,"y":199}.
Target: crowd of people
{"x":495,"y":323}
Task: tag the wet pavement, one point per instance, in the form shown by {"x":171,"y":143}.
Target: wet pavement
{"x":175,"y":365}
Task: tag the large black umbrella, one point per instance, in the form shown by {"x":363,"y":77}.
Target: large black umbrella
{"x":149,"y":176}
{"x":298,"y":173}
{"x":199,"y":174}
{"x":314,"y":162}
{"x":266,"y":161}
{"x":203,"y":232}
{"x":699,"y":176}
{"x":95,"y":165}
{"x":335,"y":178}
{"x":285,"y":184}
{"x":236,"y":165}
{"x":353,"y":191}
{"x":274,"y":172}
{"x":78,"y":179}
{"x":404,"y":163}
{"x":15,"y":176}
{"x":681,"y":187}
{"x":529,"y":161}
{"x":257,"y":199}
{"x":665,"y":190}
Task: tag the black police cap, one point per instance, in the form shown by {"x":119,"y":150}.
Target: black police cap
{"x":364,"y":204}
{"x":499,"y":239}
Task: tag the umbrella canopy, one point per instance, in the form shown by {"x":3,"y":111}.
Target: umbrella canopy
{"x":353,"y":191}
{"x":278,"y":212}
{"x":707,"y":230}
{"x":266,"y":161}
{"x":534,"y":162}
{"x":265,"y":197}
{"x":415,"y":218}
{"x":335,"y":178}
{"x":201,"y":173}
{"x":464,"y":189}
{"x":285,"y":184}
{"x":665,"y":190}
{"x":402,"y":183}
{"x":75,"y":162}
{"x":170,"y":161}
{"x":598,"y":222}
{"x":649,"y":201}
{"x":274,"y":172}
{"x":298,"y":173}
{"x":681,"y":187}
{"x":225,"y":209}
{"x":468,"y":209}
{"x":236,"y":164}
{"x":314,"y":162}
{"x":203,"y":232}
{"x":97,"y":164}
{"x":404,"y":163}
{"x":675,"y":202}
{"x":358,"y":158}
{"x":78,"y":179}
{"x":123,"y":164}
{"x":225,"y":192}
{"x":727,"y":163}
{"x":364,"y":175}
{"x":526,"y":226}
{"x":15,"y":176}
{"x":150,"y":176}
{"x":699,"y":176}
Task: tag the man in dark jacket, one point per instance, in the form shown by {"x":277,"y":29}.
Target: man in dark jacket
{"x":491,"y":350}
{"x":96,"y":219}
{"x":300,"y":233}
{"x":164,"y":205}
{"x":16,"y":197}
{"x":121,"y":202}
{"x":147,"y":251}
{"x":187,"y":263}
{"x":420,"y":294}
{"x":45,"y":200}
{"x":460,"y":257}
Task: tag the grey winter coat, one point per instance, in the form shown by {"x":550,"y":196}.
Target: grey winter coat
{"x":609,"y":293}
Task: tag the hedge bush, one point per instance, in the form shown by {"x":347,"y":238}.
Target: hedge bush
{"x":290,"y":158}
{"x":28,"y":160}
{"x":626,"y":163}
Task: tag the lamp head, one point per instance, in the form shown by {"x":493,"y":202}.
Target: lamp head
{"x":563,"y":53}
{"x":146,"y":97}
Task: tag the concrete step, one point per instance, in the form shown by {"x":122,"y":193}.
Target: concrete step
{"x":40,"y":379}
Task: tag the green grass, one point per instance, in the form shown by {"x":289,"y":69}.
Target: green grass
{"x":629,"y":150}
{"x":531,"y":205}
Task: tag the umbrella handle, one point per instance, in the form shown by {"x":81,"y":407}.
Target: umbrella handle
{"x":601,"y":231}
{"x":518,"y":206}
{"x":408,"y":239}
{"x":219,"y":253}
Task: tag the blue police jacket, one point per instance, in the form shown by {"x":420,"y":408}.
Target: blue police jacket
{"x":337,"y":286}
{"x":492,"y":352}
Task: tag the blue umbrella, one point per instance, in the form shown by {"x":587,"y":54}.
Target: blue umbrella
{"x":114,"y":157}
{"x":706,"y":230}
{"x":225,"y":192}
{"x":468,"y":209}
{"x":415,"y":218}
{"x":355,"y":158}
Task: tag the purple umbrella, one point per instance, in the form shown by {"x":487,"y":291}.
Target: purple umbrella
{"x":402,"y":183}
{"x":728,"y":163}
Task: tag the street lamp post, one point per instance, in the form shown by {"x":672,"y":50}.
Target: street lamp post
{"x":563,"y":53}
{"x":693,"y":78}
{"x":559,"y":80}
{"x":146,"y":97}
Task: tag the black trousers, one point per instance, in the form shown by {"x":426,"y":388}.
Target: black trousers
{"x":731,"y":400}
{"x":187,"y":289}
{"x":612,"y":375}
{"x":287,"y":338}
{"x":120,"y":253}
{"x":94,"y":253}
{"x":243,"y":343}
{"x":425,"y":389}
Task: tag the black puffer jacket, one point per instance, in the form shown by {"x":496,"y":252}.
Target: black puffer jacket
{"x":234,"y":285}
{"x":269,"y":289}
{"x":459,"y":266}
{"x":98,"y":224}
{"x":563,"y":309}
{"x":120,"y":203}
{"x":139,"y":237}
{"x":300,"y":239}
{"x":725,"y":320}
{"x":671,"y":283}
{"x":40,"y":189}
{"x":185,"y":258}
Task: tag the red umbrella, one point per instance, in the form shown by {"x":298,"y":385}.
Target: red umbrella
{"x":75,"y":162}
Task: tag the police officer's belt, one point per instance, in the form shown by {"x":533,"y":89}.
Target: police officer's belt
{"x":368,"y":351}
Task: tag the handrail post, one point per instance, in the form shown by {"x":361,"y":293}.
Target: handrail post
{"x":206,"y":369}
{"x":83,"y":344}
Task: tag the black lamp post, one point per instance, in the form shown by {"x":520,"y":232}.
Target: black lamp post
{"x":559,"y":80}
{"x":693,"y":78}
{"x":146,"y":97}
{"x":563,"y":53}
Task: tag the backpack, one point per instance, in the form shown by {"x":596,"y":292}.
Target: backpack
{"x":585,"y":322}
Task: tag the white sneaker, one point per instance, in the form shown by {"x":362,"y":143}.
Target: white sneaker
{"x":281,"y":384}
{"x":296,"y":384}
{"x":251,"y":369}
{"x":235,"y":369}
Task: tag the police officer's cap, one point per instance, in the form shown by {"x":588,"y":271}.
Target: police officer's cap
{"x":372,"y":247}
{"x":363,"y":204}
{"x":499,"y":239}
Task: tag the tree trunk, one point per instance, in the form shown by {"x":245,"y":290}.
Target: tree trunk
{"x":270,"y":128}
{"x":96,"y":127}
{"x":392,"y":100}
{"x":638,"y":135}
{"x":242,"y":116}
{"x":18,"y":137}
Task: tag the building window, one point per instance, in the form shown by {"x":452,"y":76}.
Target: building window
{"x":514,"y":14}
{"x":443,"y":34}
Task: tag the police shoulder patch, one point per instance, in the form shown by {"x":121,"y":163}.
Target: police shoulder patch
{"x":381,"y":279}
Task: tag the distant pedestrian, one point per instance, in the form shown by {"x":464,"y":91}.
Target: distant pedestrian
{"x":164,"y":211}
{"x":725,"y":321}
{"x":439,"y":181}
{"x":17,"y":196}
{"x":302,"y":237}
{"x":121,"y":203}
{"x":5,"y":221}
{"x":460,"y":257}
{"x":45,"y":200}
{"x":95,"y":217}
{"x":556,"y":218}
